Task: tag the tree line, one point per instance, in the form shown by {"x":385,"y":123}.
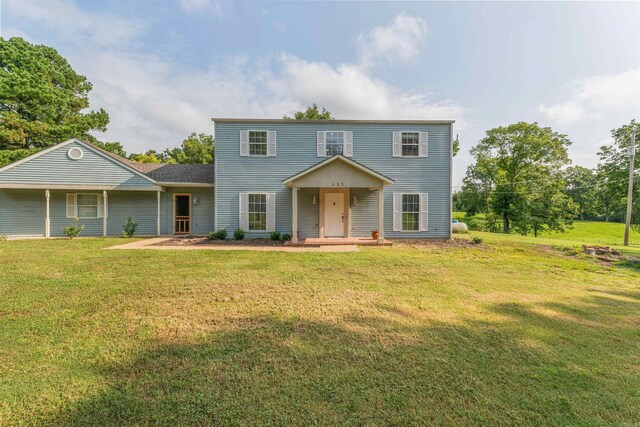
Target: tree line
{"x":521,"y":181}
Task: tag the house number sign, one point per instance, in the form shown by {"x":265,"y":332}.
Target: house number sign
{"x":337,"y":184}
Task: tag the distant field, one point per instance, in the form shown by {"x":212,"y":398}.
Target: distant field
{"x":582,"y":232}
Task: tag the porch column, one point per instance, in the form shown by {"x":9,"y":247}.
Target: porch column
{"x":381,"y":214}
{"x":158,"y":216}
{"x":294,"y":214}
{"x":105,"y":214}
{"x":47,"y":220}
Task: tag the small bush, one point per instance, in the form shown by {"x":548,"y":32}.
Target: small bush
{"x":129,"y":228}
{"x":73,"y":230}
{"x":238,"y":234}
{"x":285,"y":237}
{"x":476,"y":240}
{"x":3,"y":238}
{"x":275,"y":235}
{"x":218,"y":235}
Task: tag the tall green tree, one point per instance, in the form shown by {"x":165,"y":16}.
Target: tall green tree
{"x":311,"y":113}
{"x":196,"y":148}
{"x":509,"y":161}
{"x":42,"y":99}
{"x":581,"y":187}
{"x":613,"y":173}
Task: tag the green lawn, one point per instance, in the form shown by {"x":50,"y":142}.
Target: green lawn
{"x":502,"y":333}
{"x":581,"y":232}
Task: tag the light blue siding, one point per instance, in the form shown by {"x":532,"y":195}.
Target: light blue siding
{"x":364,"y":214}
{"x":308,"y":213}
{"x":142,"y":206}
{"x":55,"y":167}
{"x":22,"y":212}
{"x":202,"y":213}
{"x":296,"y":151}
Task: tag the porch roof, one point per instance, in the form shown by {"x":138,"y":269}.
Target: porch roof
{"x":338,"y":170}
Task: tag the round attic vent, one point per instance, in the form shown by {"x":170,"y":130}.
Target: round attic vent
{"x":75,"y":153}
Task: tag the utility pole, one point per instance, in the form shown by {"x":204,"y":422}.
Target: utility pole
{"x":632,"y":164}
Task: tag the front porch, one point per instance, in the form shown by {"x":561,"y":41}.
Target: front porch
{"x":337,"y":188}
{"x":340,"y":241}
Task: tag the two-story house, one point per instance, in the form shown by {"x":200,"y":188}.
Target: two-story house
{"x":308,"y":178}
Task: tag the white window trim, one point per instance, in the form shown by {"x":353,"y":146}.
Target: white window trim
{"x":325,"y":141}
{"x":420,"y":195}
{"x":402,"y":132}
{"x":269,"y":220}
{"x":266,"y":143}
{"x":98,"y":197}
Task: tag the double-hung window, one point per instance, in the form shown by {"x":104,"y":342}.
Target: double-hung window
{"x":258,"y":143}
{"x":410,"y":212}
{"x":410,"y":144}
{"x":85,"y":205}
{"x":257,"y":212}
{"x":335,"y":143}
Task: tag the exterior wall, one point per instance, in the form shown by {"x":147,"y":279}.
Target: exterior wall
{"x":202,"y":213}
{"x":296,"y":151}
{"x":55,"y":167}
{"x":22,"y":212}
{"x":364,"y":214}
{"x":308,"y":213}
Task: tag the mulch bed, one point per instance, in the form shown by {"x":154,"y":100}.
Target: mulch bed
{"x":190,"y":241}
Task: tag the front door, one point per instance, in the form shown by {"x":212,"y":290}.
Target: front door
{"x":182,"y":214}
{"x":334,"y":215}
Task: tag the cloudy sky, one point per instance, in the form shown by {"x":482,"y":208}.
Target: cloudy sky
{"x":162,"y":69}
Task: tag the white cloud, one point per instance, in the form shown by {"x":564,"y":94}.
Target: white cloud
{"x":596,"y":96}
{"x":154,"y":102}
{"x":194,"y":6}
{"x":74,"y":25}
{"x":401,"y":40}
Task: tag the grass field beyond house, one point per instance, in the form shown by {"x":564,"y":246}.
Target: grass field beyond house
{"x":501,"y":333}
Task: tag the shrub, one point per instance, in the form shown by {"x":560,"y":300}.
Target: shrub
{"x":218,"y":235}
{"x":3,"y":237}
{"x":476,"y":240}
{"x":129,"y":228}
{"x":285,"y":237}
{"x":275,"y":235}
{"x":73,"y":230}
{"x":238,"y":234}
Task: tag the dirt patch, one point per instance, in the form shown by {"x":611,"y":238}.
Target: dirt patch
{"x":203,"y":241}
{"x":603,"y":253}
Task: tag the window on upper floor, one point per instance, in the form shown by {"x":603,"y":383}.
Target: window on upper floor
{"x":258,"y":143}
{"x":410,"y":144}
{"x":334,"y":143}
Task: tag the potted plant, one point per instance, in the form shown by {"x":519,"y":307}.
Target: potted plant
{"x":374,"y":234}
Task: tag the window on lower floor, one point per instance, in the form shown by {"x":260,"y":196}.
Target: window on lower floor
{"x":410,"y":144}
{"x":410,"y":212}
{"x":87,"y":205}
{"x":257,"y":212}
{"x":257,"y":143}
{"x":334,"y":143}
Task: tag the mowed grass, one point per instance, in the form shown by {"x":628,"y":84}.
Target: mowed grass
{"x":580,"y":233}
{"x":501,"y":333}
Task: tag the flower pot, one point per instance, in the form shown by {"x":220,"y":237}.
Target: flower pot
{"x":374,"y":234}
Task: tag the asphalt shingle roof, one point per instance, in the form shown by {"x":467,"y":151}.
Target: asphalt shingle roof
{"x":161,"y":172}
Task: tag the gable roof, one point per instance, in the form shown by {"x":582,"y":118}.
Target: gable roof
{"x":97,"y":150}
{"x":339,"y":157}
{"x":156,"y":173}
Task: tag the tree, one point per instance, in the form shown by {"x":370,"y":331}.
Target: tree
{"x":456,"y":146}
{"x":613,"y":172}
{"x":150,"y":156}
{"x":581,"y":187}
{"x":508,"y":161}
{"x":312,"y":113}
{"x":196,"y":148}
{"x":42,"y":98}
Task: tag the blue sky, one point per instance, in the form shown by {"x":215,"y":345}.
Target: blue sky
{"x":163,"y":68}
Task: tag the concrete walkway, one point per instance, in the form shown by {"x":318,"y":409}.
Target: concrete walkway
{"x":147,"y":244}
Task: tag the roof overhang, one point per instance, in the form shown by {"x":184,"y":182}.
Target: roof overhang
{"x":338,"y":171}
{"x":334,"y":121}
{"x":187,"y":184}
{"x":88,"y":187}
